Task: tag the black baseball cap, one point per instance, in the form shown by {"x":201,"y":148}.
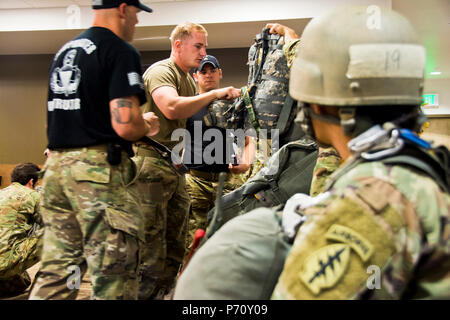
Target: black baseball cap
{"x":208,"y":59}
{"x":107,"y":4}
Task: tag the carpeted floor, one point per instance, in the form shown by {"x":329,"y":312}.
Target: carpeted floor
{"x":83,"y":294}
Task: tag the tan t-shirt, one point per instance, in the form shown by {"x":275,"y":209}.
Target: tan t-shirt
{"x":167,"y":73}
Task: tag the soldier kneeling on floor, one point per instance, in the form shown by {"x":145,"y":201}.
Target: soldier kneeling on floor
{"x":20,"y":229}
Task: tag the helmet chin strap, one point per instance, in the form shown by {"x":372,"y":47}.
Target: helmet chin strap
{"x":346,"y":119}
{"x":304,"y":120}
{"x":348,"y":122}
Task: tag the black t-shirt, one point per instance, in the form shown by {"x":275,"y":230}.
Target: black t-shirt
{"x":201,"y":154}
{"x":86,"y":74}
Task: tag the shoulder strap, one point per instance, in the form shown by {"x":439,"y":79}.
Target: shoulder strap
{"x":436,"y":168}
{"x":285,"y":113}
{"x":265,"y":50}
{"x":418,"y":164}
{"x":410,"y":156}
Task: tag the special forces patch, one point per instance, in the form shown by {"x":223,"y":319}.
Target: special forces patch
{"x":356,"y":241}
{"x":326,"y":266}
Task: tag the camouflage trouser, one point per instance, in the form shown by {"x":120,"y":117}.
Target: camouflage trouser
{"x":13,"y":265}
{"x":92,"y":219}
{"x":262,"y":156}
{"x":15,"y":285}
{"x":203,"y":196}
{"x":165,"y":204}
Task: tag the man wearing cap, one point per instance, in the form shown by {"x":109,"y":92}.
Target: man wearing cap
{"x":173,"y":99}
{"x":204,"y":173}
{"x":91,"y":214}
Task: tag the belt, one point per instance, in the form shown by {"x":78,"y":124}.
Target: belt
{"x":210,"y":176}
{"x":98,"y":147}
{"x":144,"y":152}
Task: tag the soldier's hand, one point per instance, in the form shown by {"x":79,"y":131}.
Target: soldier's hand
{"x":239,"y":168}
{"x":153,"y":122}
{"x":279,"y":29}
{"x":276,"y":28}
{"x":228,"y":93}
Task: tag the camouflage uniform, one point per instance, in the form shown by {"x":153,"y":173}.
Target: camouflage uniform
{"x":162,"y":190}
{"x":203,"y":194}
{"x":383,"y":233}
{"x":91,"y":218}
{"x":20,"y":237}
{"x":165,"y":202}
{"x":328,"y":161}
{"x":290,"y":50}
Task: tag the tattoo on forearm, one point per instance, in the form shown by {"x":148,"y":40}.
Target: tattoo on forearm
{"x":119,"y":115}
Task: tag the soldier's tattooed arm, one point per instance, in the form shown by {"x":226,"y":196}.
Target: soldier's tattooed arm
{"x":126,"y":118}
{"x":121,"y":111}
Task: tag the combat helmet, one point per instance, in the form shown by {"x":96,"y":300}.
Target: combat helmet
{"x":359,"y":57}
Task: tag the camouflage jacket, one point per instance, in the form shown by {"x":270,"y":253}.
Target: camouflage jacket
{"x":328,"y":161}
{"x":19,"y":214}
{"x":290,"y":50}
{"x":382,"y":233}
{"x":220,"y":114}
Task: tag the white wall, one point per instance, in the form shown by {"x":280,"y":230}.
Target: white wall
{"x":175,"y":12}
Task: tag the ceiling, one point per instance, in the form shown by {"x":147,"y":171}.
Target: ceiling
{"x":24,"y":4}
{"x":147,"y":38}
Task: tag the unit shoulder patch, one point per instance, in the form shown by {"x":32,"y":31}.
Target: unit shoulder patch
{"x":355,"y":240}
{"x":325,"y":267}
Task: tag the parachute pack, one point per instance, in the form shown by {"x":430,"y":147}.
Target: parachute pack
{"x":265,"y":101}
{"x":242,"y":262}
{"x":288,"y":171}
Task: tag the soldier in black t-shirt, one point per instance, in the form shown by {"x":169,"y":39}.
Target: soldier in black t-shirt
{"x":92,"y":220}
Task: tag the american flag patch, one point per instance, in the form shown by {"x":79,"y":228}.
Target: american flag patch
{"x":135,"y":78}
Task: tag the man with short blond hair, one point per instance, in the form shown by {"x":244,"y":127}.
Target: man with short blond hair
{"x":183,"y":31}
{"x":172,"y":92}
